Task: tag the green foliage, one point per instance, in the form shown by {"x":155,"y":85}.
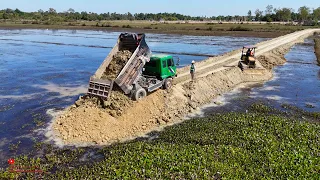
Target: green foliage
{"x":279,"y":14}
{"x":252,"y":145}
{"x":304,"y":12}
{"x":14,"y":147}
{"x":239,"y":28}
{"x":127,"y":26}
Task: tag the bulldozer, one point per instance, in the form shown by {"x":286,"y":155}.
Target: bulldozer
{"x":247,"y":60}
{"x":143,"y":73}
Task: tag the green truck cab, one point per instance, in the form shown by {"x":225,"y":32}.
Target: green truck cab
{"x":160,"y":66}
{"x":157,"y":73}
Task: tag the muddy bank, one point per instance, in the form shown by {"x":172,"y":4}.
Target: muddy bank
{"x":317,"y":47}
{"x":201,"y":32}
{"x":94,"y":125}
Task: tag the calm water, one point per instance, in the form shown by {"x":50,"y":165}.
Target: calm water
{"x":49,"y":69}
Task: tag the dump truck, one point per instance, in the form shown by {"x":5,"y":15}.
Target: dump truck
{"x":142,"y":73}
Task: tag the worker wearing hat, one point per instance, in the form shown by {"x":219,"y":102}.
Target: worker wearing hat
{"x":192,"y":70}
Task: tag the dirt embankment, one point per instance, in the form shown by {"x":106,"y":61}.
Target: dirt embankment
{"x":317,"y":47}
{"x":273,"y":58}
{"x":88,"y":123}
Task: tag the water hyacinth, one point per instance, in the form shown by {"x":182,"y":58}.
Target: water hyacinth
{"x":263,"y":143}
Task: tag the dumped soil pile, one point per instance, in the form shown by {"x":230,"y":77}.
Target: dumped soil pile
{"x":273,"y":58}
{"x":89,"y":123}
{"x":118,"y":62}
{"x":115,"y":106}
{"x":317,"y":48}
{"x":117,"y":103}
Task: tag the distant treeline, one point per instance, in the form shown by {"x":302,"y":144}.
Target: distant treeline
{"x":303,"y":14}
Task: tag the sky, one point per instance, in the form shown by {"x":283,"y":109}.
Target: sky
{"x":186,"y":7}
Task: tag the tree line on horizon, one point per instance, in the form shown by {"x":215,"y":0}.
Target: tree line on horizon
{"x":270,"y":14}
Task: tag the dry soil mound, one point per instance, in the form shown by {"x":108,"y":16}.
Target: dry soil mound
{"x":115,"y":106}
{"x":119,"y":60}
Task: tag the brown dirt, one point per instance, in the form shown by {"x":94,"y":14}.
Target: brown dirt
{"x":91,"y":124}
{"x":88,"y":123}
{"x":116,"y":105}
{"x":317,"y":48}
{"x":273,"y":58}
{"x":119,"y":60}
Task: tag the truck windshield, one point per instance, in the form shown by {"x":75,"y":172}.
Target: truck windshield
{"x":170,"y":62}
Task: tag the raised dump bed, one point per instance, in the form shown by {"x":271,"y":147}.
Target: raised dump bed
{"x":121,"y":67}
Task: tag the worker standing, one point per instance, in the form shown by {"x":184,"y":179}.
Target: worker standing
{"x":192,"y":70}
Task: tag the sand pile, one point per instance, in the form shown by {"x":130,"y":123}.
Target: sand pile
{"x":117,"y":102}
{"x":88,"y":123}
{"x":115,"y":106}
{"x":118,"y":62}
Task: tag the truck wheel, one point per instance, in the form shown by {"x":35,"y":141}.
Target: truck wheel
{"x":139,"y":94}
{"x":167,"y":83}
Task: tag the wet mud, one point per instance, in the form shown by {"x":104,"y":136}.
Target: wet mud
{"x":317,"y":48}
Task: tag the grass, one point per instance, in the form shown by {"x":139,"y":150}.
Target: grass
{"x":245,"y":29}
{"x":257,"y":145}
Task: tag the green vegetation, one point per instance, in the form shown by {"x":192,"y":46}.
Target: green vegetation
{"x":276,"y":22}
{"x":203,"y":29}
{"x":14,"y":147}
{"x":264,"y":143}
{"x":50,"y":16}
{"x":317,"y":48}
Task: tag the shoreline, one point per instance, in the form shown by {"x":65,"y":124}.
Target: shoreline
{"x":201,"y":32}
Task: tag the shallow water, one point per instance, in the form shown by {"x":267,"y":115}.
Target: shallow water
{"x":49,"y":69}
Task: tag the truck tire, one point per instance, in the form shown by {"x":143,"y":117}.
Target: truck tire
{"x":167,"y":83}
{"x":139,"y":94}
